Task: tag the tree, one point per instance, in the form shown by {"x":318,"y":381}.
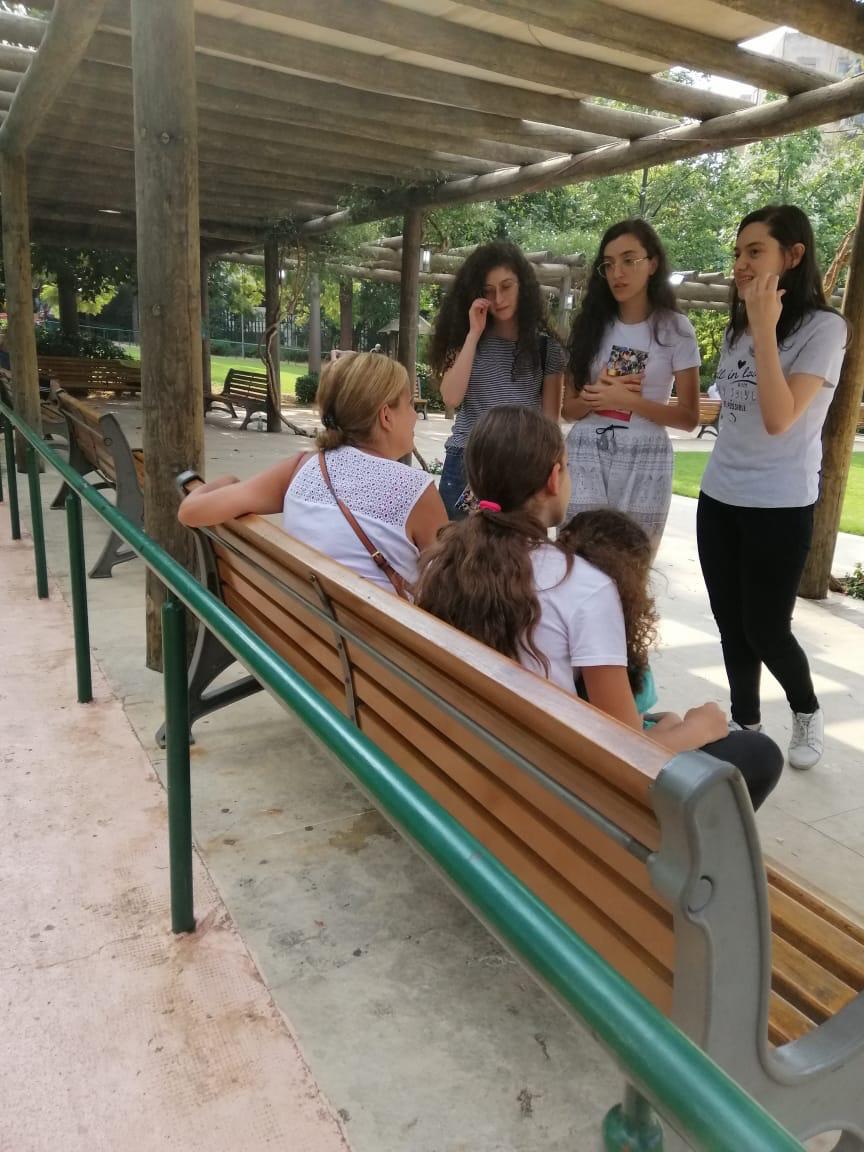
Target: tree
{"x":89,"y":275}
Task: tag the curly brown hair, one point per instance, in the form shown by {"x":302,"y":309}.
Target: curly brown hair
{"x":451,"y":324}
{"x":478,"y":576}
{"x":619,"y":547}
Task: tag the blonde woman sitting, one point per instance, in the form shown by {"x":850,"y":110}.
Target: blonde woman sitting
{"x":352,"y":499}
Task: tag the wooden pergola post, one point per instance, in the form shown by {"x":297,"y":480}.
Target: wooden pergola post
{"x":272,"y":316}
{"x":206,"y":368}
{"x":314,"y":324}
{"x":19,"y":295}
{"x":169,"y":274}
{"x":409,"y":291}
{"x":838,"y":435}
{"x":346,"y":313}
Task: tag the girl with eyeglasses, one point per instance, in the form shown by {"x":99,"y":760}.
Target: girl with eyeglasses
{"x":492,"y":345}
{"x":778,"y":370}
{"x":629,"y":344}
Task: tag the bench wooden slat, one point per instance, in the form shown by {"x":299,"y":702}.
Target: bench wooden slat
{"x":805,"y":983}
{"x":785,"y":1022}
{"x":640,"y":917}
{"x":634,"y":964}
{"x":816,"y":901}
{"x":825,"y":944}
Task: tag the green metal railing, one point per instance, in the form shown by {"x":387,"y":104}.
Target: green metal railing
{"x":666,"y":1070}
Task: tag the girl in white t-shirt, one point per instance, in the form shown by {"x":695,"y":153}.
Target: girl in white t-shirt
{"x":496,"y":576}
{"x":354,"y":480}
{"x":629,"y":345}
{"x":779,"y":366}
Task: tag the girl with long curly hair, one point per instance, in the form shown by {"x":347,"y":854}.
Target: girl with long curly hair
{"x":629,"y":345}
{"x":496,"y":576}
{"x":492,"y":345}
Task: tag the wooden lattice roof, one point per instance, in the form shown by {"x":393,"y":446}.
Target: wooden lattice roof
{"x":328,"y":111}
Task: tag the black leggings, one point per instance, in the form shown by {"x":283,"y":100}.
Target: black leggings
{"x":756,"y":757}
{"x":752,"y":560}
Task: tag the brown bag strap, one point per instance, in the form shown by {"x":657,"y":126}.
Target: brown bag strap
{"x":377,"y":555}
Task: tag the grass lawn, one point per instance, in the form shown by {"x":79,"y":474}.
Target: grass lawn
{"x":219,"y":366}
{"x":288,"y":373}
{"x":689,"y":467}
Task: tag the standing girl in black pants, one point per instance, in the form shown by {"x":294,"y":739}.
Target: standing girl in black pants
{"x":780,"y":363}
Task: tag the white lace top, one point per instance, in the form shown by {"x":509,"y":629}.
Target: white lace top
{"x":380,"y":493}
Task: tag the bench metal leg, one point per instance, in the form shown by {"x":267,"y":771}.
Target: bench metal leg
{"x":82,"y":466}
{"x":209,"y":660}
{"x":632,"y":1125}
{"x":115,"y":552}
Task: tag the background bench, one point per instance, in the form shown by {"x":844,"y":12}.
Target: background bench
{"x":244,"y":389}
{"x":53,"y":423}
{"x":77,"y":375}
{"x":98,"y":444}
{"x":420,"y":405}
{"x":709,"y":414}
{"x":656,"y":864}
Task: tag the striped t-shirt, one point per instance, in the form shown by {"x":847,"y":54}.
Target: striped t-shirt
{"x":496,"y":379}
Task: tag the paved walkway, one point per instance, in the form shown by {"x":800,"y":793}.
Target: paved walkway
{"x":422,"y":1032}
{"x":117,"y":1035}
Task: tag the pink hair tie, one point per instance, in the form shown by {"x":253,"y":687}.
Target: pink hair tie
{"x":488,"y":506}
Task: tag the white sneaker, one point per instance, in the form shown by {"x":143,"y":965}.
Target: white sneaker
{"x":808,"y":739}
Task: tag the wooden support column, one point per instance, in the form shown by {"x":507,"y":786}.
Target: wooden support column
{"x":206,"y":373}
{"x":169,"y":274}
{"x":838,"y":435}
{"x":346,"y":313}
{"x":314,"y":323}
{"x":19,"y":295}
{"x":409,"y":291}
{"x":272,"y":316}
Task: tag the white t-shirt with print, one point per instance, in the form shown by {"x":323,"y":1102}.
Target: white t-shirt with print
{"x":581,"y":622}
{"x":748,"y":467}
{"x":671,"y":349}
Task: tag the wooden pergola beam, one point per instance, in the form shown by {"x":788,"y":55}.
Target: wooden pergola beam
{"x":410,"y":96}
{"x":390,"y":120}
{"x":836,"y":101}
{"x":588,"y":20}
{"x":61,"y":49}
{"x":26,"y":30}
{"x":433,"y":36}
{"x":15,"y":59}
{"x":837,"y":21}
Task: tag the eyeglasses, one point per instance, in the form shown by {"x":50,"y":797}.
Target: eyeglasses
{"x":606,"y":267}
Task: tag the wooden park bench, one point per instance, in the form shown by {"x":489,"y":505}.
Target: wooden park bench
{"x":82,"y":376}
{"x":420,"y":405}
{"x":98,"y":444}
{"x":709,"y":415}
{"x":860,"y":427}
{"x":53,"y":423}
{"x":655,"y":862}
{"x":244,"y":389}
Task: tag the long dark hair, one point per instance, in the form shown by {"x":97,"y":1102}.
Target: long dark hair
{"x":478,"y":576}
{"x":599,"y":308}
{"x":803,"y":283}
{"x":621,"y":548}
{"x":451,"y":324}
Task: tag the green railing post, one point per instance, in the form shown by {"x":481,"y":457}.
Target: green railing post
{"x":632,"y":1125}
{"x":37,"y":524}
{"x":3,"y":423}
{"x":177,"y":746}
{"x":12,"y":480}
{"x":78,"y":581}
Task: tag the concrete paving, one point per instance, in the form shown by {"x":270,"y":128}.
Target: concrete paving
{"x":116,"y":1034}
{"x":418,"y":1028}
